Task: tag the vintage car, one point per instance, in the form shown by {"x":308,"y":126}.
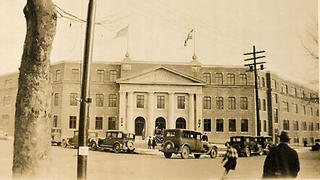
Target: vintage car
{"x":115,"y":140}
{"x":265,"y":142}
{"x":3,"y":135}
{"x":56,"y":136}
{"x":186,"y":142}
{"x":245,"y":145}
{"x":73,"y":141}
{"x":316,"y":146}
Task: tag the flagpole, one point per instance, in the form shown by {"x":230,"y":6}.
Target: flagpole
{"x":194,"y":42}
{"x":127,"y":53}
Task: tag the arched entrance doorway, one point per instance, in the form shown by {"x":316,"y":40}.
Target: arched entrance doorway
{"x":139,"y":126}
{"x":160,"y":125}
{"x":181,"y":123}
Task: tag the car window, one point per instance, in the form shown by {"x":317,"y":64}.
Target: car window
{"x":119,"y":135}
{"x":247,"y":140}
{"x":129,"y":135}
{"x":108,"y":135}
{"x":170,"y":134}
{"x":186,"y":134}
{"x":198,"y":136}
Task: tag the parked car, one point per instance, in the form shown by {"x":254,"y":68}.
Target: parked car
{"x":246,"y":145}
{"x":3,"y":135}
{"x":56,"y":136}
{"x":73,"y":141}
{"x":186,"y":142}
{"x":265,"y":142}
{"x":316,"y":146}
{"x":115,"y":140}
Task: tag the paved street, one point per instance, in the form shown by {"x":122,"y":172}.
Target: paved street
{"x":152,"y":165}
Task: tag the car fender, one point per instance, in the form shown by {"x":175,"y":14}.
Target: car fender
{"x":91,"y":140}
{"x":212,"y":147}
{"x":118,"y":142}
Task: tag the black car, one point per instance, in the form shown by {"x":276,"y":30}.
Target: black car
{"x":246,"y":145}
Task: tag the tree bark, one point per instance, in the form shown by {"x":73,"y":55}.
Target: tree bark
{"x":32,"y":114}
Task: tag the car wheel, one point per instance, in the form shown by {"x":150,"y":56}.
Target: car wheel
{"x":197,"y":156}
{"x":167,"y":155}
{"x":247,"y":152}
{"x":116,"y":148}
{"x":185,"y":152}
{"x":213,"y":153}
{"x":93,"y":146}
{"x":130,"y":146}
{"x":64,"y":143}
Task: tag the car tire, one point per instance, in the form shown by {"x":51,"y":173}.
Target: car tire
{"x":247,"y":152}
{"x":197,"y":156}
{"x":116,"y":148}
{"x":185,"y":152}
{"x":167,"y":155}
{"x":213,"y":153}
{"x":64,"y":144}
{"x":93,"y":146}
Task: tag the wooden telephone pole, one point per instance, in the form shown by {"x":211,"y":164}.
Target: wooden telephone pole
{"x":253,"y":68}
{"x":83,"y":116}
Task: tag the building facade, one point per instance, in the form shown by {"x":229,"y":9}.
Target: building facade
{"x":140,"y":96}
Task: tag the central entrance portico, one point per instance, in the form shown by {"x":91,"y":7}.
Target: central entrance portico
{"x":159,"y":97}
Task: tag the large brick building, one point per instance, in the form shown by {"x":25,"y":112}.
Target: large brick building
{"x":138,"y":96}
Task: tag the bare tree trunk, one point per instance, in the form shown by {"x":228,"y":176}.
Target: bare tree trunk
{"x":32,"y":116}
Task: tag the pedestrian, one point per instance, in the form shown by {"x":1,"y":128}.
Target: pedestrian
{"x":205,"y":137}
{"x":149,"y":142}
{"x":282,"y":161}
{"x":154,"y":143}
{"x":231,"y":156}
{"x":143,"y":134}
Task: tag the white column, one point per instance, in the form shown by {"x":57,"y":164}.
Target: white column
{"x":130,"y":120}
{"x":199,"y":112}
{"x":122,"y":111}
{"x":191,"y":112}
{"x":150,"y":118}
{"x":171,"y":109}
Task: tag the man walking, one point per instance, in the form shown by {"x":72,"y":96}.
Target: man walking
{"x":282,"y":161}
{"x":231,"y":157}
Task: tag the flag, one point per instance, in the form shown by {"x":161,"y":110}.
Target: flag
{"x":189,"y":37}
{"x":122,"y":32}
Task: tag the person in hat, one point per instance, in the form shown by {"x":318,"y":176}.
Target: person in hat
{"x":231,"y":156}
{"x":282,"y":161}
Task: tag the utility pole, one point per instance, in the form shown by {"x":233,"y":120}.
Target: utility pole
{"x":85,"y":100}
{"x":253,"y":67}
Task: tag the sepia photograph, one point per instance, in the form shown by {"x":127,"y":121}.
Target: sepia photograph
{"x":159,"y":90}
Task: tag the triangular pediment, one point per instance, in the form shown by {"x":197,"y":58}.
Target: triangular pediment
{"x":161,"y":75}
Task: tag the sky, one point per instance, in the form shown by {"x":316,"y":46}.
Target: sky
{"x":224,"y":30}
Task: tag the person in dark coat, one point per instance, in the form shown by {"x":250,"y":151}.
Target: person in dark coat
{"x":154,"y":143}
{"x":149,"y":143}
{"x":282,"y":161}
{"x":231,"y":156}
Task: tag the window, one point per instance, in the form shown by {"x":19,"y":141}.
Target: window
{"x":264,"y":105}
{"x":317,"y":112}
{"x":285,"y":106}
{"x":72,"y":122}
{"x":232,"y":125}
{"x":297,"y":108}
{"x":311,"y":111}
{"x":206,"y":102}
{"x":112,"y":124}
{"x":181,"y":102}
{"x":276,"y":115}
{"x":263,"y":82}
{"x":304,"y":126}
{"x":264,"y":125}
{"x":99,"y":123}
{"x":303,"y":94}
{"x":311,"y":126}
{"x":112,"y":100}
{"x":259,"y":104}
{"x":285,"y":124}
{"x":75,"y":74}
{"x":160,"y":102}
{"x":243,"y":103}
{"x":304,"y":110}
{"x":295,"y":92}
{"x":58,"y":75}
{"x":73,"y":99}
{"x":219,"y":125}
{"x":274,"y":84}
{"x":231,"y":79}
{"x":55,"y":121}
{"x":295,"y":125}
{"x":286,"y":88}
{"x":243,"y":79}
{"x":258,"y":81}
{"x":219,"y":78}
{"x":99,"y":100}
{"x":207,"y":125}
{"x":113,"y":75}
{"x":140,"y":101}
{"x":219,"y":102}
{"x":276,"y":98}
{"x":232,"y":103}
{"x":317,"y":126}
{"x":56,"y":99}
{"x":100,"y":75}
{"x":244,"y":125}
{"x":207,"y":77}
